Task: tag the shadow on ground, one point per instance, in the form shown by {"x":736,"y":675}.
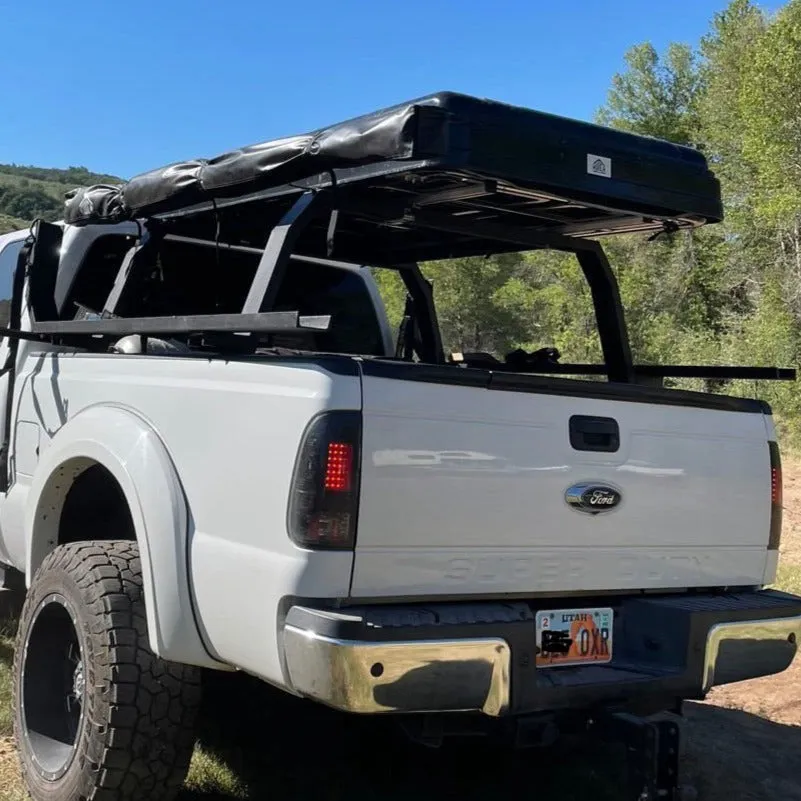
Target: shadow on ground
{"x":293,"y":751}
{"x":10,"y":606}
{"x":736,"y":756}
{"x":290,"y":750}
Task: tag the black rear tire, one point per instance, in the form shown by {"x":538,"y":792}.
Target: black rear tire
{"x":97,"y":716}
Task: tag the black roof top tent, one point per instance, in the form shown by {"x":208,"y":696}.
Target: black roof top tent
{"x":461,"y":156}
{"x":443,"y":176}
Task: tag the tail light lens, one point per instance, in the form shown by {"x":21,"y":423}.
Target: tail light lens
{"x":775,"y":497}
{"x":324,"y":497}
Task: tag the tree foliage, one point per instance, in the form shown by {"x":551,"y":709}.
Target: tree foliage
{"x":27,"y":203}
{"x":30,"y":192}
{"x":770,"y":114}
{"x":656,"y":96}
{"x":71,"y":176}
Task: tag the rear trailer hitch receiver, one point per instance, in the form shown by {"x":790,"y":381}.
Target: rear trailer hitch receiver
{"x":652,"y":755}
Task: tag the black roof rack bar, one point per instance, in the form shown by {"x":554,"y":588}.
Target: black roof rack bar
{"x":326,"y":262}
{"x":132,"y":268}
{"x":210,"y":243}
{"x":531,"y":240}
{"x":121,"y":280}
{"x":14,"y":333}
{"x":259,"y":323}
{"x":278,"y":250}
{"x":422,"y":295}
{"x":458,"y":194}
{"x":609,"y":314}
{"x":477,"y":205}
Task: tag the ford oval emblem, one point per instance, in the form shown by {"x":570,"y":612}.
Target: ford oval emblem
{"x":593,"y":498}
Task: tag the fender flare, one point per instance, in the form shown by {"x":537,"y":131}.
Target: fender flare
{"x":131,"y":450}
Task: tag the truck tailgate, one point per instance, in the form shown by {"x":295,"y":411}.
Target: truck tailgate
{"x":465,"y":478}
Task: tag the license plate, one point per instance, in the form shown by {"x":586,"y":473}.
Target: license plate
{"x":573,"y":637}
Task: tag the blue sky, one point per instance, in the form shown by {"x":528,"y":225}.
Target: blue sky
{"x":124,"y":87}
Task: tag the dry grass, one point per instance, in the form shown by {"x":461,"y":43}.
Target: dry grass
{"x":10,"y":784}
{"x":10,"y":787}
{"x":743,"y":744}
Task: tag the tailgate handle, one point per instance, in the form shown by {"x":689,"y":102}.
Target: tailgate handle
{"x":594,"y":433}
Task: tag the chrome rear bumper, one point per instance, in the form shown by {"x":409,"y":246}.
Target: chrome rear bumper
{"x":480,"y":657}
{"x":740,"y":651}
{"x":427,"y":676}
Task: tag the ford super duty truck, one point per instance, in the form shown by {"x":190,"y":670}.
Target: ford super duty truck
{"x":218,"y":455}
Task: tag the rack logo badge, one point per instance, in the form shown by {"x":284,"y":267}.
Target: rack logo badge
{"x":599,"y":165}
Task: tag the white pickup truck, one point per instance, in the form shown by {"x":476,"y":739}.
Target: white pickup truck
{"x":217,"y":456}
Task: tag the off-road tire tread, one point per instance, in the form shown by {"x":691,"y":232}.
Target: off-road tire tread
{"x":139,"y":740}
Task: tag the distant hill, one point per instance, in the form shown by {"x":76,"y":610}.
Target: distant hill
{"x":30,"y":192}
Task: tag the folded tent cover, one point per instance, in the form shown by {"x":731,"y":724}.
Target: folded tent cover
{"x":568,"y":164}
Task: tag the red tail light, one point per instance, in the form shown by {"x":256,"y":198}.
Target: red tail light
{"x":339,"y":467}
{"x":323,"y":501}
{"x":775,"y":497}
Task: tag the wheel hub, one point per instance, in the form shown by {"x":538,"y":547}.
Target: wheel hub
{"x":78,"y":683}
{"x":53,"y":687}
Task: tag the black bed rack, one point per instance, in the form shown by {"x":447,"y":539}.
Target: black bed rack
{"x":257,"y":317}
{"x":312,"y":207}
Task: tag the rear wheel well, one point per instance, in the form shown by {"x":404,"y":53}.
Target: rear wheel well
{"x":95,"y":508}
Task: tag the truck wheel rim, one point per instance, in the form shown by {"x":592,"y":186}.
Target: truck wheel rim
{"x":53,"y":687}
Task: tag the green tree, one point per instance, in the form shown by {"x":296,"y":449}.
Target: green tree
{"x":726,"y":51}
{"x":483,"y":304}
{"x":770,"y":114}
{"x":656,"y":96}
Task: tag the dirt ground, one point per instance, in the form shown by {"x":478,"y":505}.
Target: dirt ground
{"x":742,"y":744}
